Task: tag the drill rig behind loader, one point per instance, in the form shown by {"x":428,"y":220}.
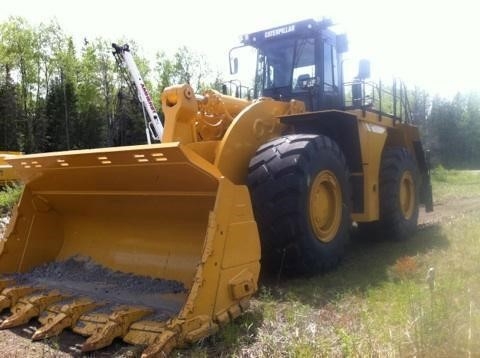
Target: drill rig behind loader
{"x":235,"y":182}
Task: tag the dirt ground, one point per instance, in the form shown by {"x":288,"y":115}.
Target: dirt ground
{"x":16,"y":342}
{"x":449,"y":210}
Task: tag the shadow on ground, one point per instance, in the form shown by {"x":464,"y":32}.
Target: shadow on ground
{"x":365,"y":265}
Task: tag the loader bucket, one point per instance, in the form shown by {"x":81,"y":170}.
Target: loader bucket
{"x":146,"y":243}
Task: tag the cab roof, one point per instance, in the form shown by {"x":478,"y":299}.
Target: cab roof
{"x":303,"y":28}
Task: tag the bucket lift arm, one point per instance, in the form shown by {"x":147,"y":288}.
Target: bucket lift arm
{"x":125,"y":59}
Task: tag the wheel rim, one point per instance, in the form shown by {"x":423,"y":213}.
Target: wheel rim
{"x":325,"y":206}
{"x":407,"y":195}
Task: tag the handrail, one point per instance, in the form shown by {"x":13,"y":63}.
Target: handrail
{"x":235,"y":88}
{"x":391,"y":101}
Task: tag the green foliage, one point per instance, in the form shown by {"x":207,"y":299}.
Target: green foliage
{"x":53,"y":98}
{"x":456,"y":177}
{"x":61,"y":113}
{"x":454,"y":184}
{"x":185,"y":66}
{"x":440,"y":174}
{"x":9,"y":196}
{"x":9,"y":109}
{"x":455,"y":131}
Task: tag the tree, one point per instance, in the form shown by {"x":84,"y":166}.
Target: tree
{"x":52,"y":98}
{"x":60,"y":104}
{"x":471,"y":130}
{"x":19,"y":50}
{"x":185,"y":66}
{"x":128,"y":125}
{"x":9,"y":109}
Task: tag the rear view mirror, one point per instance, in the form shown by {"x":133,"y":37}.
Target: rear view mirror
{"x":244,"y":57}
{"x":234,"y":69}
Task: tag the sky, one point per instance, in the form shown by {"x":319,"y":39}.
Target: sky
{"x":430,"y":44}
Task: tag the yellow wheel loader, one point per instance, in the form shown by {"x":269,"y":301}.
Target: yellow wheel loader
{"x":162,"y":244}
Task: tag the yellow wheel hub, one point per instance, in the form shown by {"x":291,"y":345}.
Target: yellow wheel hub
{"x":407,"y":195}
{"x":325,"y":206}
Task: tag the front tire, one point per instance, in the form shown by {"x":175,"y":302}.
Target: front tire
{"x":299,"y":189}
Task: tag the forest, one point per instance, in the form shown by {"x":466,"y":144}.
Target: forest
{"x":55,"y":96}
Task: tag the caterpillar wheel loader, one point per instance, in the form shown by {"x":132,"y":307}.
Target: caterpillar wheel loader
{"x":161,"y":244}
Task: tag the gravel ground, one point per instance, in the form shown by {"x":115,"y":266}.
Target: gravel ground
{"x":79,"y":276}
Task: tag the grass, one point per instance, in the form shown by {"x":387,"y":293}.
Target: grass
{"x":454,"y":184}
{"x":420,"y":297}
{"x":9,"y":196}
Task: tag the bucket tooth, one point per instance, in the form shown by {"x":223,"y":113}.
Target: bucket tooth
{"x":144,"y":332}
{"x":11,"y":295}
{"x":49,"y":314}
{"x":67,"y":316}
{"x":117,"y":326}
{"x":90,"y":323}
{"x":30,"y":307}
{"x":162,"y":346}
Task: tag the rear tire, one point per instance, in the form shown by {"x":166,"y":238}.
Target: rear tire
{"x":398,"y":194}
{"x":299,"y":189}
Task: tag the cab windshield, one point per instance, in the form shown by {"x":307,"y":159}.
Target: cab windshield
{"x":287,"y":63}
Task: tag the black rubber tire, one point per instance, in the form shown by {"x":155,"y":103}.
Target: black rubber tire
{"x":393,"y":224}
{"x":279,"y":179}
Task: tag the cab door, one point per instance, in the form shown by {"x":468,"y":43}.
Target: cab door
{"x":328,"y":68}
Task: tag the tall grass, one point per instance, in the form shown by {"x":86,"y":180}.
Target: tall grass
{"x":420,"y":297}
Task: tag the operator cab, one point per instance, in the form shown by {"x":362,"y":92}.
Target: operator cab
{"x":299,"y":61}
